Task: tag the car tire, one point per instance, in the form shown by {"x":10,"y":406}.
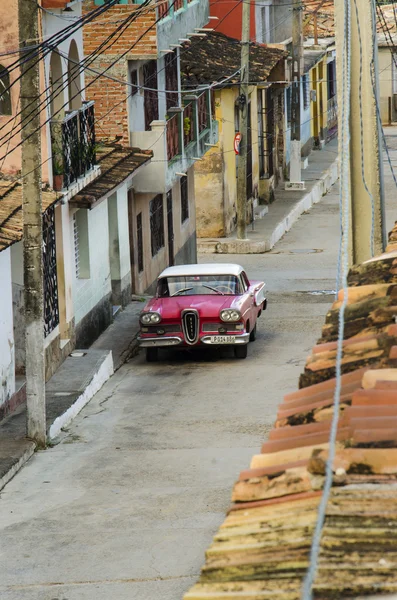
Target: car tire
{"x":152,"y":354}
{"x":253,"y":334}
{"x":241,"y":351}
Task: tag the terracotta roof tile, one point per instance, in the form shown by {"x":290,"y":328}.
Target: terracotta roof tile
{"x":219,"y":57}
{"x":265,"y":553}
{"x":11,"y":218}
{"x":386,"y":21}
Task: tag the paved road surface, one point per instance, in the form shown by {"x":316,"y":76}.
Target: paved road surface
{"x":124,"y":507}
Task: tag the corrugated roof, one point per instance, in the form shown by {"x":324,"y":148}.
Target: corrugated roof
{"x":117,"y":164}
{"x":219,"y":56}
{"x":386,"y":19}
{"x":261,"y":550}
{"x":11,"y":217}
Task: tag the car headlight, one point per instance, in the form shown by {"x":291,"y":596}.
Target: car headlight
{"x":150,"y":318}
{"x":230,"y":315}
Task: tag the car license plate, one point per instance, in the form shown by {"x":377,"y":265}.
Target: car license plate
{"x":222,"y":339}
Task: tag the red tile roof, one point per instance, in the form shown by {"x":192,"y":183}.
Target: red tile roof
{"x":262,"y":548}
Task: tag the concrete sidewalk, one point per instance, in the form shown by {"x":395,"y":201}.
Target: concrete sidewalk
{"x":76,"y":381}
{"x":288,"y":206}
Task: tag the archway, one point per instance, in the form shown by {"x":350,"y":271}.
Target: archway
{"x":74,"y":77}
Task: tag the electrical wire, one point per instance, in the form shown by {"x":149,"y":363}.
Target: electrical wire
{"x":52,"y":96}
{"x":344,"y":252}
{"x":90,"y":58}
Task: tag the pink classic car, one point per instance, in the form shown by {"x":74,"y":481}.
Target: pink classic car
{"x":199,"y":305}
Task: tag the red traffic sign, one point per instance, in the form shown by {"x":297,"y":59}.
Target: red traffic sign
{"x":237,"y":140}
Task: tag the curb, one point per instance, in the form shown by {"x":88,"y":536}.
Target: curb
{"x":28,"y":453}
{"x":104,"y":373}
{"x":234,"y":246}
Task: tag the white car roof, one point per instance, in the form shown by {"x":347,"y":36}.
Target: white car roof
{"x":203,"y":269}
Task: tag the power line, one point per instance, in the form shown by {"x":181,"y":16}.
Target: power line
{"x":135,"y":15}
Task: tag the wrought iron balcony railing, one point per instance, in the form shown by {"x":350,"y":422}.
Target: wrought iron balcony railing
{"x":73,"y":144}
{"x":173,"y":137}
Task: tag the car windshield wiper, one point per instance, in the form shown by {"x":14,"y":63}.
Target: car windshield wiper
{"x":180,"y":291}
{"x":213,"y":289}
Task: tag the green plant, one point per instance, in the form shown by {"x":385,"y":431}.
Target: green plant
{"x":57,"y":165}
{"x":186,"y":125}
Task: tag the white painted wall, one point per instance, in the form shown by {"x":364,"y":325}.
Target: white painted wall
{"x":87,"y":293}
{"x":7,"y":364}
{"x":119,"y":233}
{"x":124,"y":233}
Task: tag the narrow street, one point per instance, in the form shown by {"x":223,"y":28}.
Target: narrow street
{"x":126,"y":504}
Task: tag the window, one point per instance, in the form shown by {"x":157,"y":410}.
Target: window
{"x":150,"y":93}
{"x":5,"y":96}
{"x":81,"y":244}
{"x":306,"y":91}
{"x":140,"y":241}
{"x":331,"y":76}
{"x":199,"y":285}
{"x":288,"y":100}
{"x":171,"y":79}
{"x":134,"y":82}
{"x":261,"y":135}
{"x":157,"y":224}
{"x":184,"y":200}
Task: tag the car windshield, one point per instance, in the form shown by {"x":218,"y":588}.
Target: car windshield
{"x":198,"y":285}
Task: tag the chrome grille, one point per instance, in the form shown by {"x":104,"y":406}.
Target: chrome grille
{"x":190,"y":325}
{"x":176,"y":328}
{"x":221,"y":327}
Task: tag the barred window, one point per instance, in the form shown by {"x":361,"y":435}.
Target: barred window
{"x":140,"y":241}
{"x":306,"y":91}
{"x":157,"y":224}
{"x":184,"y":200}
{"x":81,"y":244}
{"x":289,"y":104}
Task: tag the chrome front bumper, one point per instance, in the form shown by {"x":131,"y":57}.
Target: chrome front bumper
{"x":175,"y":341}
{"x":159,"y":341}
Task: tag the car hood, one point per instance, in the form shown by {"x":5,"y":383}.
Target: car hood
{"x":207,"y":306}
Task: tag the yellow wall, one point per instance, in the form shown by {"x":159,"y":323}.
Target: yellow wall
{"x":215,"y":175}
{"x":318,"y":107}
{"x":386,"y":84}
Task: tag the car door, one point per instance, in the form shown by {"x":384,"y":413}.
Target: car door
{"x":249,"y":311}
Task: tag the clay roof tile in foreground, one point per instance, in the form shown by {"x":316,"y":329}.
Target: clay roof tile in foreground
{"x":262,"y":548}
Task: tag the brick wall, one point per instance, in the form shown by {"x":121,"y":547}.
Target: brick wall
{"x":111,"y":97}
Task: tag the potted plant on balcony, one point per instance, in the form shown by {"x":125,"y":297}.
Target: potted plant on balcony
{"x":57,"y":172}
{"x":186,"y":125}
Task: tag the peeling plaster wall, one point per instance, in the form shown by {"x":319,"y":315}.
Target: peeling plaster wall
{"x":7,"y":362}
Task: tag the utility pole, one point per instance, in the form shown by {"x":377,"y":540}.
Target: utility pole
{"x":295,"y":181}
{"x":32,"y":227}
{"x":368,"y":234}
{"x":243,"y":119}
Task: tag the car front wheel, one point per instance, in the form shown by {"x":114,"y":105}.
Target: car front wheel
{"x":241,"y":351}
{"x":152,"y":354}
{"x":253,"y":334}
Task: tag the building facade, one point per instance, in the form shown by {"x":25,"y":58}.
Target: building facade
{"x":145,"y":106}
{"x":86,"y":250}
{"x":217,"y":60}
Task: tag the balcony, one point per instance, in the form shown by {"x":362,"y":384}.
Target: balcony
{"x":179,"y":18}
{"x":73,"y":146}
{"x":177,"y":142}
